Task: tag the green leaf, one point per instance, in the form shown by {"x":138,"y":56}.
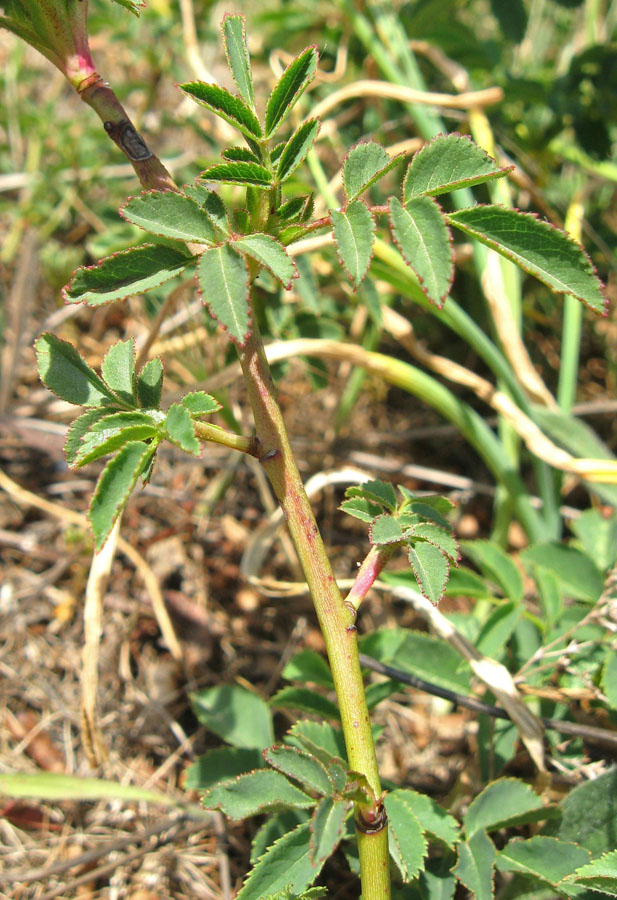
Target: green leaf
{"x":405,"y":836}
{"x":224,"y":282}
{"x":242,"y":173}
{"x":474,"y":867}
{"x":301,"y":767}
{"x":320,"y":739}
{"x":225,"y":105}
{"x":52,"y":787}
{"x":537,"y":247}
{"x":114,"y":488}
{"x":288,"y":862}
{"x":543,"y":857}
{"x":150,"y":384}
{"x":597,"y":533}
{"x":588,"y":814}
{"x":306,"y":701}
{"x":276,"y":826}
{"x":211,"y":204}
{"x":240,"y":154}
{"x":365,"y":164}
{"x":170,"y":215}
{"x":496,"y":565}
{"x":498,"y":629}
{"x":237,"y":53}
{"x":133,"y":6}
{"x":180,"y":429}
{"x":431,"y":569}
{"x":504,"y":803}
{"x":609,"y":678}
{"x":439,"y":824}
{"x":441,"y":538}
{"x":67,"y":374}
{"x":449,"y":162}
{"x":118,"y":370}
{"x":385,"y":529}
{"x":96,"y":445}
{"x":420,"y":233}
{"x":354,"y":234}
{"x":362,"y":509}
{"x":327,"y":825}
{"x":421,"y":654}
{"x":307,"y":666}
{"x":271,"y":254}
{"x":199,"y":403}
{"x":255,"y":793}
{"x":579,"y":577}
{"x":549,"y":593}
{"x":292,"y":84}
{"x":599,"y":875}
{"x":221,"y":764}
{"x":77,"y":430}
{"x":297,"y":148}
{"x":240,"y":717}
{"x":125,"y":273}
{"x":375,"y":491}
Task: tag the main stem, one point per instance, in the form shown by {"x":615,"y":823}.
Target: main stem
{"x":336,"y":619}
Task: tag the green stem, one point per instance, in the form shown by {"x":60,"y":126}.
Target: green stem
{"x":208,"y":432}
{"x":335,"y":618}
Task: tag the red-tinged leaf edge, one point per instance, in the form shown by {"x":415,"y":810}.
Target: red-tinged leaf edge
{"x":220,"y":324}
{"x":158,"y":234}
{"x":340,"y":259}
{"x":245,"y":253}
{"x":269,"y":132}
{"x":392,"y":162}
{"x":398,"y":540}
{"x":503,"y":170}
{"x":421,"y":280}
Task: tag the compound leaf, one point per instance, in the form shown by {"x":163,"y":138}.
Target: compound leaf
{"x":291,"y":85}
{"x":180,"y":430}
{"x":238,"y":59}
{"x":287,"y":863}
{"x":225,"y":105}
{"x":68,"y":375}
{"x":125,"y":273}
{"x":114,"y":487}
{"x":327,"y":826}
{"x":545,"y":857}
{"x":405,"y":836}
{"x":431,"y":569}
{"x":365,"y":164}
{"x":301,"y":767}
{"x":243,"y":173}
{"x":474,"y":868}
{"x":255,"y":793}
{"x":503,"y":803}
{"x":267,"y":251}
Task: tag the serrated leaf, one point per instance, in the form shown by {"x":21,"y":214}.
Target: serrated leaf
{"x":180,"y":429}
{"x":597,"y":533}
{"x":199,"y":403}
{"x":255,"y":793}
{"x":221,"y":764}
{"x":354,"y":234}
{"x":306,"y":701}
{"x":365,"y":164}
{"x":150,"y":384}
{"x":327,"y":826}
{"x":361,"y":508}
{"x":171,"y":215}
{"x":338,"y":774}
{"x":503,"y":803}
{"x":306,"y":666}
{"x":275,"y":827}
{"x":439,"y":537}
{"x":600,"y":874}
{"x":543,"y":857}
{"x":114,"y":488}
{"x":432,"y":817}
{"x":297,"y":148}
{"x":291,"y":85}
{"x":225,"y":105}
{"x":405,"y":836}
{"x":609,"y":678}
{"x":238,"y":59}
{"x":320,"y":739}
{"x":95,"y":446}
{"x":68,"y":375}
{"x":474,"y":867}
{"x":290,"y":210}
{"x":288,"y":862}
{"x":243,"y":173}
{"x":133,"y":6}
{"x":449,"y":162}
{"x":118,"y":370}
{"x":240,"y":717}
{"x":497,"y":565}
{"x":537,"y":247}
{"x":240,"y":154}
{"x":431,"y":569}
{"x":375,"y":491}
{"x":588,"y":814}
{"x":421,"y":234}
{"x":271,"y":254}
{"x":224,"y":282}
{"x":301,"y":767}
{"x":125,"y":273}
{"x":211,"y":204}
{"x":498,"y":629}
{"x":385,"y":529}
{"x":78,"y":428}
